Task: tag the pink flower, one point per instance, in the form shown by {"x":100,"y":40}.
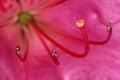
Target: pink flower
{"x":33,"y":30}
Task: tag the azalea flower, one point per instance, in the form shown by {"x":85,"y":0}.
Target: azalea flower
{"x":37,"y":29}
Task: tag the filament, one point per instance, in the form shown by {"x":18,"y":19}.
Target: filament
{"x":85,"y":53}
{"x":108,"y":27}
{"x":53,"y":57}
{"x":20,"y":52}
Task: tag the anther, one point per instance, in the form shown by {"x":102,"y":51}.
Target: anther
{"x":54,"y":56}
{"x":19,"y":52}
{"x":80,"y":23}
{"x":17,"y":48}
{"x":54,"y":53}
{"x":109,"y":26}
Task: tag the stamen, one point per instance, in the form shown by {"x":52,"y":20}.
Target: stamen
{"x":22,"y":50}
{"x":53,"y":55}
{"x":19,"y":52}
{"x":84,"y":54}
{"x":80,"y":23}
{"x":109,"y":30}
{"x":109,"y":26}
{"x":22,"y":55}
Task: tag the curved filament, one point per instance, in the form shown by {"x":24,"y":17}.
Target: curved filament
{"x":22,"y":51}
{"x":84,"y":34}
{"x":54,"y":58}
{"x":109,"y":30}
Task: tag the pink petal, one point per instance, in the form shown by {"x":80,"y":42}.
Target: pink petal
{"x":96,"y":15}
{"x":8,"y":8}
{"x":102,"y":63}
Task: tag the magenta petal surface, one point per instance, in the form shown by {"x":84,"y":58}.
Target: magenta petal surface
{"x":103,"y":61}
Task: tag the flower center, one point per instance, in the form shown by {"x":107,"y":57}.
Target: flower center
{"x":23,"y":17}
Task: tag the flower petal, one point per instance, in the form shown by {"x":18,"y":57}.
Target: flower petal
{"x":8,"y":8}
{"x":107,"y":55}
